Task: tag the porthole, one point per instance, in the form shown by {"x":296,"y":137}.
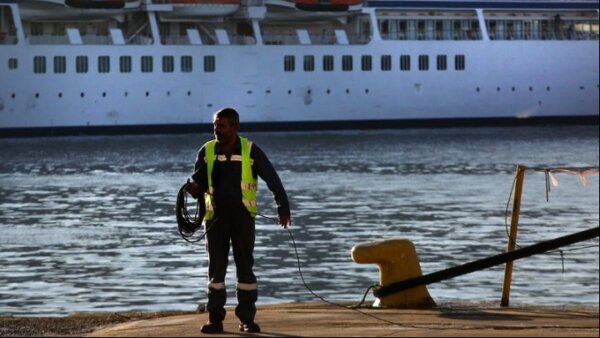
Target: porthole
{"x":189,"y":93}
{"x":289,"y":91}
{"x":347,"y":91}
{"x":37,"y":95}
{"x":59,"y":95}
{"x":103,"y":94}
{"x":478,"y":89}
{"x":147,"y":93}
{"x":328,"y":91}
{"x":13,"y":95}
{"x":82,"y":94}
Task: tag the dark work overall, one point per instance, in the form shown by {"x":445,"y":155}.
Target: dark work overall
{"x":232,"y":226}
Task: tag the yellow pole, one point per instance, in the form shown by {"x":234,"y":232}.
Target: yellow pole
{"x":512,"y":237}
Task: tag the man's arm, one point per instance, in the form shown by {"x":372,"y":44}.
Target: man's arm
{"x":199,"y":182}
{"x":263,"y":168}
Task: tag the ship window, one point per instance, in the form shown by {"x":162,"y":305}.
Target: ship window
{"x":404,"y":62}
{"x":12,"y":63}
{"x":210,"y":64}
{"x":39,"y":64}
{"x":81,"y":64}
{"x":346,"y":63}
{"x":147,"y":64}
{"x":60,"y":64}
{"x":125,"y":64}
{"x":168,"y":64}
{"x":186,"y":63}
{"x":441,"y":62}
{"x":309,"y":63}
{"x":386,"y":62}
{"x":423,"y":62}
{"x":366,"y":62}
{"x":328,"y":63}
{"x":459,"y":62}
{"x":103,"y":64}
{"x":289,"y":63}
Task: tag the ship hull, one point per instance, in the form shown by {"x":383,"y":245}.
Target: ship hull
{"x":520,"y":82}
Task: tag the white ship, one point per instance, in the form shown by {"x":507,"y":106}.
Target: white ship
{"x":123,"y":66}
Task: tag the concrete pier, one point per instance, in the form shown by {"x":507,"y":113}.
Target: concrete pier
{"x":326,"y":320}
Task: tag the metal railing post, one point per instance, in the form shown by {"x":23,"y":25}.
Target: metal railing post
{"x":512,"y":237}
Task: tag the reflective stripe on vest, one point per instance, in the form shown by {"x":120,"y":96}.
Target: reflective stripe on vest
{"x":248,"y":183}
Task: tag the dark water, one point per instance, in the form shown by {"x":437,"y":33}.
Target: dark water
{"x":87,"y":223}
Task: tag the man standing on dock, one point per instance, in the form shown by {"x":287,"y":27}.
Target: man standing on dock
{"x":226,"y":173}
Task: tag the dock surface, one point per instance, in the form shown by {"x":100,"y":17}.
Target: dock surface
{"x":326,"y":320}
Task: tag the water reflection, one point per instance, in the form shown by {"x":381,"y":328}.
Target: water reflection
{"x":88,"y":222}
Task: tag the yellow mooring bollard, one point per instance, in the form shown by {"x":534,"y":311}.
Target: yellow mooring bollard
{"x":397,"y":260}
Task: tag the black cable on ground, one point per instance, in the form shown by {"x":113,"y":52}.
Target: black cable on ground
{"x":352,"y":308}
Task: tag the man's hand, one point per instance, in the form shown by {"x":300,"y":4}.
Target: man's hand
{"x":193,"y":189}
{"x":285,"y":221}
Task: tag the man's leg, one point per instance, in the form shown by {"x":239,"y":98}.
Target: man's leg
{"x":217,"y":246}
{"x":242,"y":240}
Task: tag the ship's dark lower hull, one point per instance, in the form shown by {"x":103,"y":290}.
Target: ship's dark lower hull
{"x":302,"y":126}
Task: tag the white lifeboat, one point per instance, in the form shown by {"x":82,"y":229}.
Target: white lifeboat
{"x":193,"y":9}
{"x":75,"y":10}
{"x":327,"y":5}
{"x":301,"y":10}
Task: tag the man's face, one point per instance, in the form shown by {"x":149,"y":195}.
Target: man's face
{"x":224,"y":131}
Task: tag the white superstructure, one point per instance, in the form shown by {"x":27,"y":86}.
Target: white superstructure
{"x":68,"y":65}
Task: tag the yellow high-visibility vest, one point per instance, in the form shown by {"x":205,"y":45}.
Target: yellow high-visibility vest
{"x":248,"y":182}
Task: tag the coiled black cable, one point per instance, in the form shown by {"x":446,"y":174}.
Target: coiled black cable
{"x":187,"y":225}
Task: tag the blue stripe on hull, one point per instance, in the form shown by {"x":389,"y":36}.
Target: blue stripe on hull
{"x":301,"y":126}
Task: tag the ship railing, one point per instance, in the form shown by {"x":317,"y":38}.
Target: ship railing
{"x":47,"y":39}
{"x":463,"y":35}
{"x":549,"y":35}
{"x":140,"y":40}
{"x":242,"y":40}
{"x":96,"y":39}
{"x":315,"y":39}
{"x":280,"y":39}
{"x":175,"y":39}
{"x":85,"y":39}
{"x":360,"y":39}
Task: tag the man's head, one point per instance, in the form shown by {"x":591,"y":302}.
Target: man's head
{"x":226,"y":122}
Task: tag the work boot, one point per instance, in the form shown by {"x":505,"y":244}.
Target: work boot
{"x":250,"y":327}
{"x":212,"y":327}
